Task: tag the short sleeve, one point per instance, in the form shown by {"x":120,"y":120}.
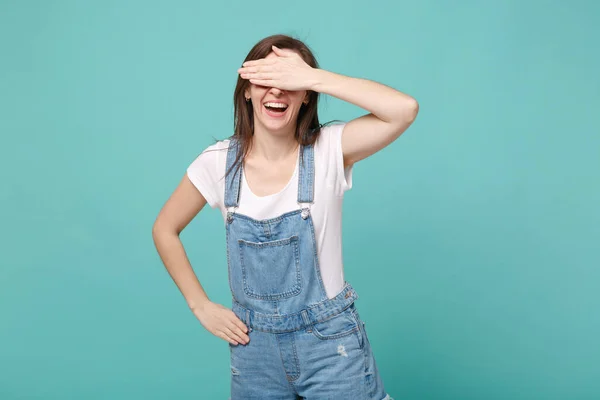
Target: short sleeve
{"x":206,"y":173}
{"x":331,"y":145}
{"x":344,"y":173}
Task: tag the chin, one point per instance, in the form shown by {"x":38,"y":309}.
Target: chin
{"x":276,"y":127}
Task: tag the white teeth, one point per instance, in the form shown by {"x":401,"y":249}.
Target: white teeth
{"x":276,"y":105}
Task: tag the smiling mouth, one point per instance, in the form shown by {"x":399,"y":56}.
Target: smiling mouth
{"x":275,"y":109}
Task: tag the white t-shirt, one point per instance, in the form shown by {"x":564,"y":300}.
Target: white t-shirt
{"x":207,"y":172}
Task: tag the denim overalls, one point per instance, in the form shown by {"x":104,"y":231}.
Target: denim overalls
{"x":301,"y":342}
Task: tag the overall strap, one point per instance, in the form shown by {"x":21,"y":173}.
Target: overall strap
{"x":306,"y":179}
{"x":234,"y":178}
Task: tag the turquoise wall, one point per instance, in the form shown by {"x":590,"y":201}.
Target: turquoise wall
{"x":473,"y":240}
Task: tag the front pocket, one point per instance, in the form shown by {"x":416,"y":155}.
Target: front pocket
{"x":343,"y":324}
{"x":271,"y":270}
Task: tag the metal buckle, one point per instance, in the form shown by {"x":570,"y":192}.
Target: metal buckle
{"x":230,"y":213}
{"x":305,"y":212}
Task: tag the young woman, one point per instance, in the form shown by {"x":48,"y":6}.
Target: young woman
{"x":279,"y":181}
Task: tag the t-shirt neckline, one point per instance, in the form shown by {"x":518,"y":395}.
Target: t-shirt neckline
{"x":287,"y":185}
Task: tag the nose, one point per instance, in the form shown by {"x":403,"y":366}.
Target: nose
{"x":276,"y":92}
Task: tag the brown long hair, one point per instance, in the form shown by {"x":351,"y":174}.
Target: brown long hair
{"x":307,"y":125}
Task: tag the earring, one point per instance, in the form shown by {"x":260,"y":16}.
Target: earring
{"x":247,"y":99}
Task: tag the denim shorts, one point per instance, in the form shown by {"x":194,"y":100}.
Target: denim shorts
{"x":331,"y":359}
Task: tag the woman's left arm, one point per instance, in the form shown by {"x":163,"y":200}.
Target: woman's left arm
{"x":391,"y":113}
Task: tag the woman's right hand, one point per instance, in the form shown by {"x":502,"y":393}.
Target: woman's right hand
{"x":222,"y":322}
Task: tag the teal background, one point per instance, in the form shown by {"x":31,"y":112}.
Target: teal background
{"x":473,"y":240}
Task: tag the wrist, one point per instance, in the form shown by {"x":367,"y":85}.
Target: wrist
{"x":198,"y":305}
{"x":319,"y":80}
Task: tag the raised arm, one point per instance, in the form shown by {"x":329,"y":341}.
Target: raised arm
{"x":391,"y":112}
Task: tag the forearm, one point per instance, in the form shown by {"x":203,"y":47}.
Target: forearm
{"x":173,"y":256}
{"x":387,"y":104}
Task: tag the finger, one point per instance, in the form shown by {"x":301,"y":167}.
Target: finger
{"x":264,"y":82}
{"x":258,"y":68}
{"x":226,"y":337}
{"x":240,"y":324}
{"x":239,"y":333}
{"x":238,"y":337}
{"x":245,"y":70}
{"x":282,"y":52}
{"x":262,"y":61}
{"x":258,"y":76}
{"x":278,"y":51}
{"x":237,"y":322}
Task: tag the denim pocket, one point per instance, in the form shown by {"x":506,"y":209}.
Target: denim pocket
{"x":362,"y":333}
{"x":271,"y":270}
{"x":342,"y":324}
